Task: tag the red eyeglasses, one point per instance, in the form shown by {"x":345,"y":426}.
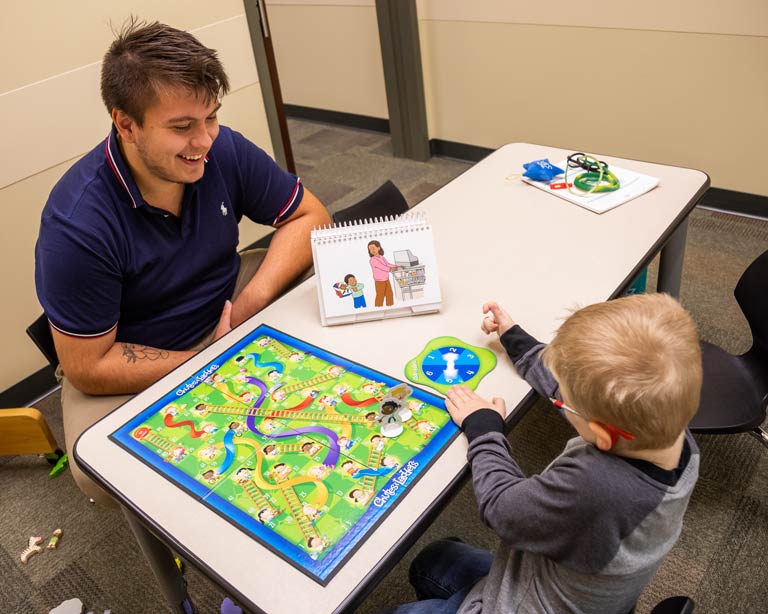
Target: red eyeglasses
{"x":613,"y":431}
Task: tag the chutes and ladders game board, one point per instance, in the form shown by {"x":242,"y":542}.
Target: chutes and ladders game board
{"x":301,"y":449}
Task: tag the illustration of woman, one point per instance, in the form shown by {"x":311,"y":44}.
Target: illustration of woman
{"x":381,"y":269}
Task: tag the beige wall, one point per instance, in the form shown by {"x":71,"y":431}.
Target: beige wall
{"x":328,"y":55}
{"x":679,"y":82}
{"x":52,"y":114}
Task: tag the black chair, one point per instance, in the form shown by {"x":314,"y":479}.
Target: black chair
{"x":734,"y":394}
{"x":40,"y":333}
{"x":674,"y":605}
{"x":386,"y":200}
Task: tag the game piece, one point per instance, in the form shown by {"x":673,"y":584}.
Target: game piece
{"x":291,"y":444}
{"x":53,"y":543}
{"x":32,"y":549}
{"x":391,"y":425}
{"x":447,"y":361}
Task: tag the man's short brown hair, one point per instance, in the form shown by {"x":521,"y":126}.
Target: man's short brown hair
{"x":634,"y":363}
{"x":145,"y":58}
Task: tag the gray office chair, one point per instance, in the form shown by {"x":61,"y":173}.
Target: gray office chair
{"x":734,"y":393}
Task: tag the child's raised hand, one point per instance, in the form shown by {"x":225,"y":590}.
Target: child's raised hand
{"x":496,"y":320}
{"x":462,"y":402}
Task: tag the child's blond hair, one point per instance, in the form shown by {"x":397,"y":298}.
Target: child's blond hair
{"x":633,"y":363}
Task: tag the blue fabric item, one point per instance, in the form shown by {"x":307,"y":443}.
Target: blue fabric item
{"x":106,"y":258}
{"x":541,"y":170}
{"x":229,"y":607}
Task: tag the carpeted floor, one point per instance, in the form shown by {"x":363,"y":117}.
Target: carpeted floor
{"x":721,"y":559}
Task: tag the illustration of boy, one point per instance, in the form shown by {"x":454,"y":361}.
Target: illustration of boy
{"x":356,"y":288}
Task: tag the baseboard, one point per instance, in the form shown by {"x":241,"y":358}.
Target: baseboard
{"x":31,"y":389}
{"x":460,"y":151}
{"x":349,"y":120}
{"x":731,"y":201}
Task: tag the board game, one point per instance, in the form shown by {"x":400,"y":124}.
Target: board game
{"x":303,"y":450}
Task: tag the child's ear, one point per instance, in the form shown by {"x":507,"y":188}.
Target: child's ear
{"x":603,"y":439}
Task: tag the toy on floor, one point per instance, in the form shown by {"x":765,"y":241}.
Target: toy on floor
{"x":53,"y":543}
{"x":32,"y":549}
{"x":447,"y":361}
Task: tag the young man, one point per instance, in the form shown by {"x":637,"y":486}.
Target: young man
{"x":136,"y":261}
{"x":588,"y":533}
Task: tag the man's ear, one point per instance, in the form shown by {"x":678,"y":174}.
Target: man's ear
{"x":125,"y":124}
{"x":603,"y":439}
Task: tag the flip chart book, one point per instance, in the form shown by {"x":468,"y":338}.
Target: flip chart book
{"x":632,"y":185}
{"x":375,"y":269}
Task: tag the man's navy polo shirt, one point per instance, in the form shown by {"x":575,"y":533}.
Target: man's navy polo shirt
{"x":106,"y":258}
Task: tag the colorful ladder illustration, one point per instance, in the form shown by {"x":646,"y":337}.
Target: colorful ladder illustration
{"x":297,"y":511}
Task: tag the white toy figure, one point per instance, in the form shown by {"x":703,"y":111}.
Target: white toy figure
{"x":391,"y":424}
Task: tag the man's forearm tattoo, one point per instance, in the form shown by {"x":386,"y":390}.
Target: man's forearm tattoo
{"x":134,"y":352}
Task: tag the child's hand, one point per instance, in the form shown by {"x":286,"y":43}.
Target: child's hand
{"x":462,"y":402}
{"x":497,"y":320}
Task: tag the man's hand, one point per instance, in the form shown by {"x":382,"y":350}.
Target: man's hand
{"x":496,"y":320}
{"x":225,"y":321}
{"x":462,"y":402}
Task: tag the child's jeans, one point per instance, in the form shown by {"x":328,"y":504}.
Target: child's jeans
{"x":443,"y":574}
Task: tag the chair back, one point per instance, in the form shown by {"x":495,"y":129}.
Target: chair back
{"x":752,"y":296}
{"x":386,"y":200}
{"x":40,"y":333}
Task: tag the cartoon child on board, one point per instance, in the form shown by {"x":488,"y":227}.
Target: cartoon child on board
{"x":310,"y":448}
{"x":280,"y":472}
{"x":319,"y":471}
{"x":335,"y":370}
{"x":377,"y":442}
{"x":271,"y":450}
{"x":372,"y":388}
{"x":349,"y":468}
{"x":268,"y":425}
{"x":315,"y":543}
{"x":356,"y":289}
{"x":425,"y":428}
{"x":243,"y":475}
{"x":208,"y":453}
{"x":360,"y":496}
{"x":390,"y":462}
{"x":344,"y":443}
{"x":264,"y":341}
{"x":266,"y":514}
{"x":211,"y":476}
{"x":238,"y":427}
{"x":310,"y":511}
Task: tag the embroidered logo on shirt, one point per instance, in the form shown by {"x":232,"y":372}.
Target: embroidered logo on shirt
{"x":223,"y":208}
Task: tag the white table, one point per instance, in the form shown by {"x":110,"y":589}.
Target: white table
{"x":536,"y":254}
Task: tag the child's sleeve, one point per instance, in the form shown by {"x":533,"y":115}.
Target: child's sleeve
{"x":525,"y":352}
{"x":553,"y":514}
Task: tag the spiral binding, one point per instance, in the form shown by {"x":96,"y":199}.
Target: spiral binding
{"x":370,"y":228}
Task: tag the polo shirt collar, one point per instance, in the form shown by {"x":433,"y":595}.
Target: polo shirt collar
{"x":120,"y":169}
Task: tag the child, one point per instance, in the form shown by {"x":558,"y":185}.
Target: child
{"x":589,"y":532}
{"x":356,"y":288}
